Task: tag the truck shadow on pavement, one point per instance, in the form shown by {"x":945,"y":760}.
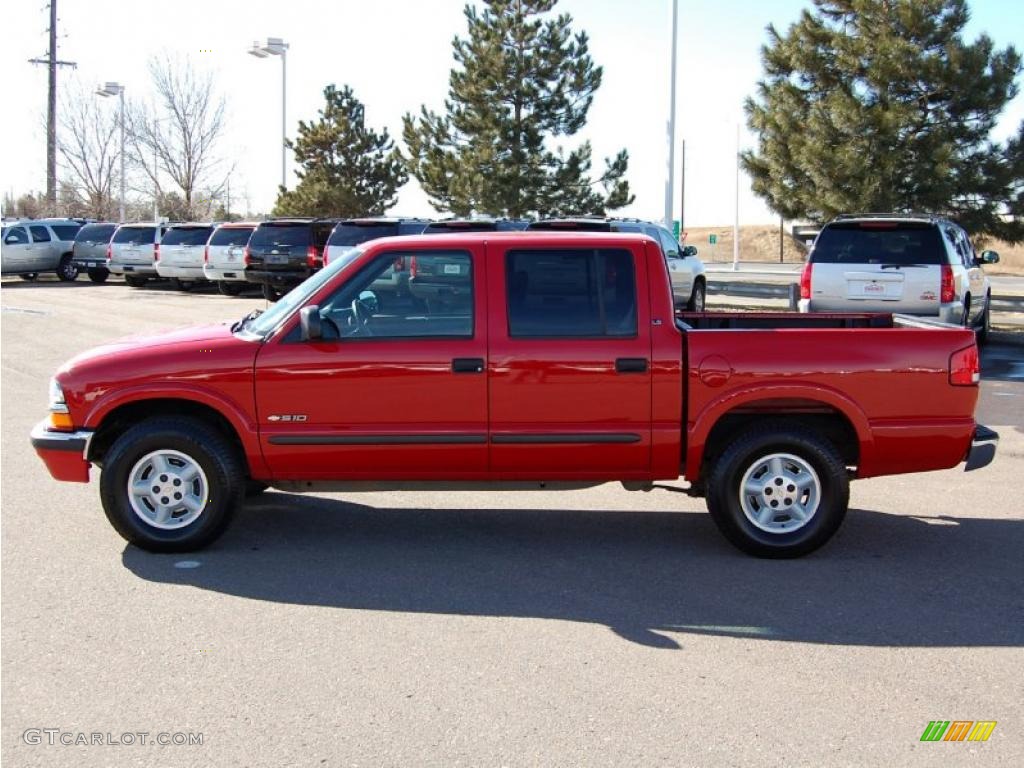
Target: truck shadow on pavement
{"x":885,"y":580}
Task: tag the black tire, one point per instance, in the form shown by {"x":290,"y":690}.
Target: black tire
{"x":270,"y":293}
{"x":219,"y":461}
{"x":724,"y":490}
{"x":180,"y":285}
{"x":29,"y":277}
{"x":135,"y":281}
{"x":228,"y":288}
{"x":985,"y":324}
{"x":67,"y":270}
{"x":698,"y":299}
{"x":99,"y":275}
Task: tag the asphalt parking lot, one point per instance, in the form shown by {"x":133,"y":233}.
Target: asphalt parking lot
{"x":597,"y":627}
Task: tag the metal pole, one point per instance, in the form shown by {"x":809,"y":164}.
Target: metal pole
{"x":284,"y":120}
{"x":736,"y":210}
{"x":670,"y":183}
{"x":780,"y":238}
{"x":51,"y":117}
{"x":156,"y":187}
{"x":122,"y":153}
{"x":682,"y":187}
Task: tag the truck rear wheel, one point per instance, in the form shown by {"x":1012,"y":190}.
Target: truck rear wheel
{"x":171,"y":484}
{"x":778,"y":491}
{"x":135,"y":281}
{"x":270,"y":293}
{"x":99,"y":275}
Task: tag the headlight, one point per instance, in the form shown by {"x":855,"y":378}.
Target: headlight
{"x":57,"y":402}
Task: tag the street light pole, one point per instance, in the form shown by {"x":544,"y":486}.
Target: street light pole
{"x":116,"y":89}
{"x":670,"y":183}
{"x":275,"y":46}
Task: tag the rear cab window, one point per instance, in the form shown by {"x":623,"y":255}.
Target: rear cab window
{"x":571,"y":293}
{"x":900,"y":243}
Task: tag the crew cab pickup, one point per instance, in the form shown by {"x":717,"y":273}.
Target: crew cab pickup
{"x":559,"y":362}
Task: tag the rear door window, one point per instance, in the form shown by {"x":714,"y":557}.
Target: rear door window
{"x":878,"y":242}
{"x":95,"y":233}
{"x":187,"y":236}
{"x":571,"y":293}
{"x":40,"y":234}
{"x":231,"y":236}
{"x":280,"y":235}
{"x":135,"y":235}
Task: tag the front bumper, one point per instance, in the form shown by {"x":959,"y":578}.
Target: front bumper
{"x":983,"y":448}
{"x":63,"y":453}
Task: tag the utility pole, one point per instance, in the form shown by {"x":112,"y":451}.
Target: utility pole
{"x":682,"y":189}
{"x":736,"y":210}
{"x":51,"y":110}
{"x":670,"y":182}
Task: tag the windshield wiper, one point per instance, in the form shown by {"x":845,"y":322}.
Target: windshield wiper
{"x":241,"y":323}
{"x":901,"y":266}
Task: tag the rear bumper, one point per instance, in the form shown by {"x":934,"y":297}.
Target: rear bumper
{"x":983,"y":448}
{"x":944,"y":313}
{"x":184,"y":273}
{"x":132,"y":269}
{"x":230,"y":274}
{"x":87,"y":263}
{"x":63,"y":453}
{"x":289,"y":278}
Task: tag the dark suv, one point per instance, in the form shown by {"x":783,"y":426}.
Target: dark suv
{"x":689,"y":285}
{"x":284,"y":252}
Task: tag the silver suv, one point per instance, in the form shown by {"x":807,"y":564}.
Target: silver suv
{"x":912,"y":264}
{"x":39,"y":245}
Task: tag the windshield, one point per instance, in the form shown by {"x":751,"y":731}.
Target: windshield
{"x":300,"y":294}
{"x":187,"y":236}
{"x":231,"y":236}
{"x":878,"y":242}
{"x":280,"y":235}
{"x":95,"y":233}
{"x":135,"y":235}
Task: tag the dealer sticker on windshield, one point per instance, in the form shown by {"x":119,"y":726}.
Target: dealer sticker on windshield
{"x":452,"y":269}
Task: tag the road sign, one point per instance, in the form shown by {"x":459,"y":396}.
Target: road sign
{"x":712,"y":239}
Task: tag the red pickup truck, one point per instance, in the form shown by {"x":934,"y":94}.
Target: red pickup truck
{"x":521,"y":360}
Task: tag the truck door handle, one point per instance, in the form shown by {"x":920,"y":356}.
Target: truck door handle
{"x":631,"y":365}
{"x":468,"y":365}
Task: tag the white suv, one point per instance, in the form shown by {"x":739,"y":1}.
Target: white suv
{"x":181,"y":254}
{"x":902,"y":263}
{"x":224,"y":261}
{"x":39,"y":245}
{"x":133,"y":251}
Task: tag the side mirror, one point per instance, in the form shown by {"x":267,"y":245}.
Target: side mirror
{"x":689,"y":250}
{"x":989,"y":257}
{"x":309,"y":322}
{"x":11,"y":240}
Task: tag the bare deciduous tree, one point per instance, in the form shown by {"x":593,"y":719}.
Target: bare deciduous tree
{"x":90,"y":149}
{"x":176,"y":135}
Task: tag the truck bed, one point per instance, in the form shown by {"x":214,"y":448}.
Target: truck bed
{"x":711,"y":321}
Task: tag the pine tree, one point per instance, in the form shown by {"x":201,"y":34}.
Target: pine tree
{"x":347,"y":168}
{"x":880,"y":105}
{"x":522,"y":79}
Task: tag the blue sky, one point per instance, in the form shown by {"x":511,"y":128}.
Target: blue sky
{"x":397,"y":54}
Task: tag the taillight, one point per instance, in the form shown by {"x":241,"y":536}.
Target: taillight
{"x":110,"y":253}
{"x":206,"y":255}
{"x":156,"y":252}
{"x":947,"y":290}
{"x":398,"y":265}
{"x":964,"y":367}
{"x":247,"y":256}
{"x":805,"y":281}
{"x":412,"y":266}
{"x":313,"y":259}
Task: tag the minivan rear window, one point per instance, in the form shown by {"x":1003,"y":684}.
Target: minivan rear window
{"x":879,"y":242}
{"x":280,"y":234}
{"x":95,"y":233}
{"x":187,"y":236}
{"x":232,"y":236}
{"x":135,"y":235}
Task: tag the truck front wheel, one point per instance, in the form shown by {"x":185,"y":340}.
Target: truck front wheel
{"x":171,"y":484}
{"x":778,"y":491}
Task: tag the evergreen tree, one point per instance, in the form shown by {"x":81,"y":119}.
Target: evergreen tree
{"x":522,"y":79}
{"x":880,"y":105}
{"x":347,"y":168}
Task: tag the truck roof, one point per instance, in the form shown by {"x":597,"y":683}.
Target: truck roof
{"x":546,"y":237}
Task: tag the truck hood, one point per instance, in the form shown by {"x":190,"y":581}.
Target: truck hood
{"x":127,"y":347}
